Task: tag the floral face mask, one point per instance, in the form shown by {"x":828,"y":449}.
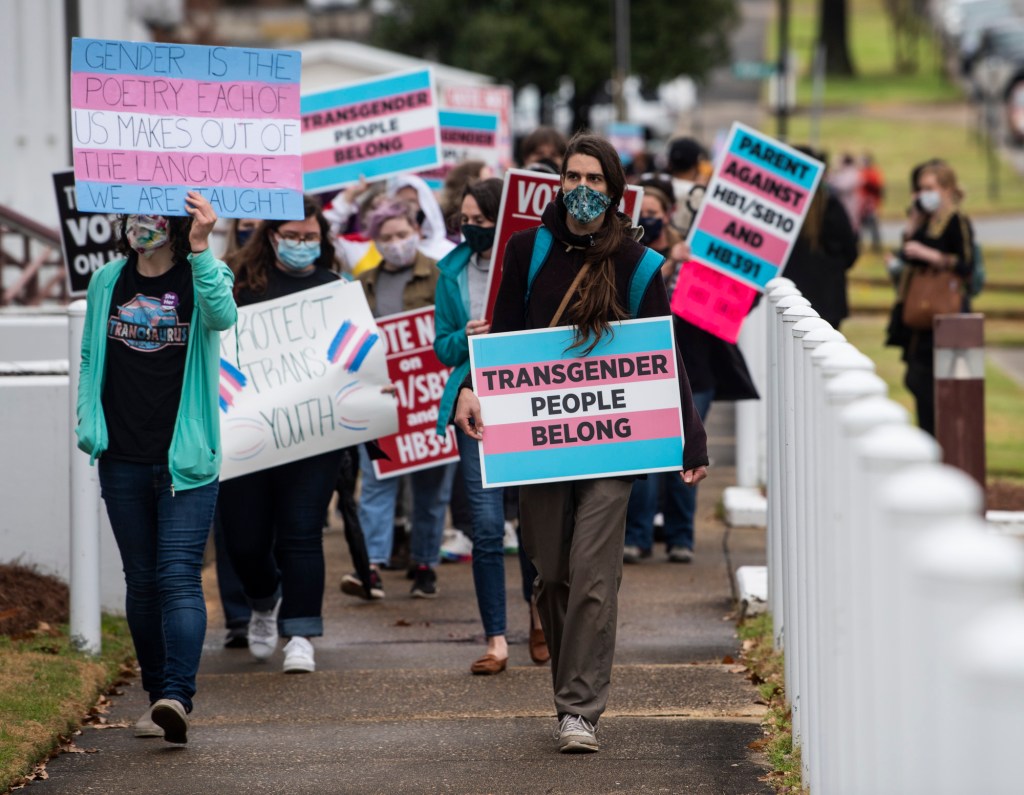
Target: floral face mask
{"x":585,"y":204}
{"x":147,"y":233}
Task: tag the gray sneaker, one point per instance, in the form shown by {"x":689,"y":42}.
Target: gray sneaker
{"x":576,"y":735}
{"x":263,"y":632}
{"x":170,"y":716}
{"x":680,"y":555}
{"x":144,"y":726}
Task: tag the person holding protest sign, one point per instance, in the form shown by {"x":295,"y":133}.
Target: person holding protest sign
{"x":147,"y":409}
{"x":406,"y":279}
{"x":273,"y":519}
{"x":426,"y":211}
{"x":573,"y":529}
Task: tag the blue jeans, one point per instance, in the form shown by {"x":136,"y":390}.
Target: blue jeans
{"x":273,"y":525}
{"x":232,"y":594}
{"x":161,"y":537}
{"x":680,"y":500}
{"x":431,"y":490}
{"x":488,"y":509}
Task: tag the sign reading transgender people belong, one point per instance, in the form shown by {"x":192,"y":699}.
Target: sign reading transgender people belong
{"x":754,"y":207}
{"x":372,"y":129}
{"x":465,"y":135}
{"x":550,"y":414}
{"x":151,"y":121}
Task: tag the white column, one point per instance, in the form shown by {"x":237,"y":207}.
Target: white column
{"x":750,"y":414}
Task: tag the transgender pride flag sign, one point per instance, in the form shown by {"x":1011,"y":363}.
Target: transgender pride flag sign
{"x":151,"y":121}
{"x":550,"y":414}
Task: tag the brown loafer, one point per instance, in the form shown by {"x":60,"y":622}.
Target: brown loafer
{"x":538,"y":646}
{"x":488,"y":665}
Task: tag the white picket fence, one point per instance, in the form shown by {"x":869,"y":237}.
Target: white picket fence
{"x":901,"y":617}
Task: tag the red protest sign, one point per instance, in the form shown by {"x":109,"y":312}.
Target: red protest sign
{"x":419,"y":378}
{"x":711,"y":300}
{"x":523,"y":199}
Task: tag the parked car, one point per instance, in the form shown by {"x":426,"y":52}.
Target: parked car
{"x":999,"y":57}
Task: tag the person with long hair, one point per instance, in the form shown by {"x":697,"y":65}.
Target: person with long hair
{"x":147,"y":409}
{"x":273,"y":518}
{"x":573,"y":529}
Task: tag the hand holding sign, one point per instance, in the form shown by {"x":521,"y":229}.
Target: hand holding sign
{"x":467,"y":415}
{"x":203,"y":220}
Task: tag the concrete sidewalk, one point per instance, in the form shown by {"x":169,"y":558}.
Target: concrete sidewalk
{"x":392,"y":707}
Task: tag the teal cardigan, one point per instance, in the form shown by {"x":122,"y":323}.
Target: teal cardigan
{"x":451,"y":314}
{"x":194,"y":455}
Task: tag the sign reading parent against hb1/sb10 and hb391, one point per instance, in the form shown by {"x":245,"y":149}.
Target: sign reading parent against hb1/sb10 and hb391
{"x":89,"y":239}
{"x":754,"y":207}
{"x":419,"y":378}
{"x":372,"y":129}
{"x":307,"y":379}
{"x":465,"y":135}
{"x":151,"y":121}
{"x":550,"y":415}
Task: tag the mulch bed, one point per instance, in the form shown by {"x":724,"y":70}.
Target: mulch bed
{"x":1003,"y":496}
{"x":28,"y":598}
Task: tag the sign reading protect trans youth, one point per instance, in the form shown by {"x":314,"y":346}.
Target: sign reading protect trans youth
{"x":550,"y":414}
{"x":371,"y":129}
{"x":152,"y":121}
{"x":754,"y":207}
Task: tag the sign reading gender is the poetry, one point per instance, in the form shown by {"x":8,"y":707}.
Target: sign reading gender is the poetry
{"x":419,"y":378}
{"x":301,"y":375}
{"x":464,"y":136}
{"x":151,"y":121}
{"x":372,"y":129}
{"x":550,"y":414}
{"x":754,"y":207}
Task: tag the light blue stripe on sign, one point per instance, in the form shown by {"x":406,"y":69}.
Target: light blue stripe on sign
{"x":546,"y":345}
{"x":468,"y":121}
{"x":732,"y":260}
{"x":587,"y":461}
{"x":274,"y":204}
{"x":413,"y":160}
{"x":365,"y":92}
{"x":773,"y":157}
{"x":185,"y":61}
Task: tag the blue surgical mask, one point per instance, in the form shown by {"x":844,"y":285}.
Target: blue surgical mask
{"x":297,"y":255}
{"x":585,"y":204}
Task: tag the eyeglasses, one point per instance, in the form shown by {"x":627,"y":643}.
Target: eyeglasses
{"x":295,"y":237}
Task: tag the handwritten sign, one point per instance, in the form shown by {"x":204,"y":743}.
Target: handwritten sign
{"x":711,"y":300}
{"x":371,"y":129}
{"x":420,"y":378}
{"x":151,"y":121}
{"x":550,"y":415}
{"x":524,"y":196}
{"x":464,"y":136}
{"x":489,"y":99}
{"x":754,"y":207}
{"x":306,"y":379}
{"x":89,"y":240}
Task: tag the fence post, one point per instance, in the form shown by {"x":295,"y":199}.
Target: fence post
{"x":750,"y":414}
{"x":960,"y":392}
{"x":84,"y":585}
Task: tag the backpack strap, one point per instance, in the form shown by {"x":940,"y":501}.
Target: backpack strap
{"x":541,"y":248}
{"x":645,"y":270}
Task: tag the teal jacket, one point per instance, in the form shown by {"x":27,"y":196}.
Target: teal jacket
{"x":194,"y":455}
{"x":451,"y":314}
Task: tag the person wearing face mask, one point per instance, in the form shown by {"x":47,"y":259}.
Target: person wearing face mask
{"x":573,"y":530}
{"x":426,"y":212}
{"x":147,"y":410}
{"x":239,"y":232}
{"x":273,"y":518}
{"x":405,"y":280}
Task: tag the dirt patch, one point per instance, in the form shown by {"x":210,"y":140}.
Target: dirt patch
{"x":28,"y":598}
{"x":1002,"y":495}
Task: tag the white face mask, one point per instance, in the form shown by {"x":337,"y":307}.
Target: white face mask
{"x":400,"y":253}
{"x":930,"y":200}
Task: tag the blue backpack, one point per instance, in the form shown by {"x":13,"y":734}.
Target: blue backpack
{"x":645,"y":269}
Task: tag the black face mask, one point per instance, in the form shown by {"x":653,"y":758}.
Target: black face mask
{"x":653,"y":227}
{"x":242,"y":236}
{"x":479,"y":238}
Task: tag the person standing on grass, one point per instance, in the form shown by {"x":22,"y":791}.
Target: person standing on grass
{"x":573,"y":530}
{"x":147,"y":410}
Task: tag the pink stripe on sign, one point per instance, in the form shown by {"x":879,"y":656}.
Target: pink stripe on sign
{"x":765,"y":184}
{"x":368,"y":148}
{"x":367,"y":111}
{"x":205,"y":169}
{"x":600,"y":429}
{"x":171,"y":96}
{"x":590,"y":372}
{"x":750,"y":238}
{"x":226,"y":396}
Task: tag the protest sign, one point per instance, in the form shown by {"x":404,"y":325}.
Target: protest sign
{"x":550,"y":414}
{"x":420,"y":378}
{"x":711,"y":300}
{"x":151,"y":121}
{"x":89,"y":240}
{"x":372,"y":129}
{"x":628,"y":140}
{"x":464,"y":136}
{"x":754,"y":207}
{"x":488,"y":99}
{"x":305,"y":378}
{"x":524,"y":196}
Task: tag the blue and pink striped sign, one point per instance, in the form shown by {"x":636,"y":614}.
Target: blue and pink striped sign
{"x":550,"y":414}
{"x":350,"y":346}
{"x":372,"y":129}
{"x":151,"y":121}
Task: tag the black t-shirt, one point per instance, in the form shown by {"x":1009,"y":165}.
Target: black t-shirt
{"x":147,"y":339}
{"x":280,"y":284}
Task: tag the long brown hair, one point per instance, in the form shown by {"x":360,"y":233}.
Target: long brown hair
{"x":598,"y":296}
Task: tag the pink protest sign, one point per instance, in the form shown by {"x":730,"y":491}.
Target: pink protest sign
{"x":711,"y":300}
{"x":489,"y":99}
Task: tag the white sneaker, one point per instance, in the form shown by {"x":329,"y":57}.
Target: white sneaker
{"x":511,"y":539}
{"x":298,"y":656}
{"x":576,"y":735}
{"x":170,"y":716}
{"x":263,"y":632}
{"x":145,"y":727}
{"x":457,"y":548}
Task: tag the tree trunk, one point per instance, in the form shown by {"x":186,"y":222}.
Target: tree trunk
{"x":832,"y":33}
